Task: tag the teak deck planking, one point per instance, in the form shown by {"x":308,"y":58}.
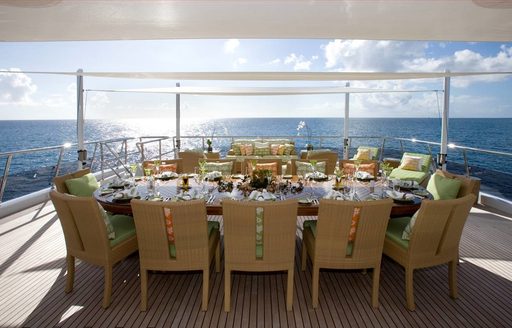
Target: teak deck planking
{"x":32,"y":278}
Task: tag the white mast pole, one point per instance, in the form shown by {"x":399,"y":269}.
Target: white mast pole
{"x":346,"y":124}
{"x":178,"y":123}
{"x":82,"y":152}
{"x":443,"y":153}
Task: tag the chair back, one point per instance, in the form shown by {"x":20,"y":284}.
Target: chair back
{"x":248,"y":165}
{"x":174,"y":162}
{"x":60,"y":181}
{"x":190,"y":228}
{"x":334,"y":228}
{"x":279,"y":230}
{"x":330,"y":157}
{"x":83,"y":226}
{"x":190,"y":160}
{"x":438,"y":228}
{"x":370,"y":166}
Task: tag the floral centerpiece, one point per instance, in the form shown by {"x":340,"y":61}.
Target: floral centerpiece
{"x":261,"y":178}
{"x":306,"y":131}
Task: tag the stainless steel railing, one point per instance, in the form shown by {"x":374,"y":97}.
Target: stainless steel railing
{"x":115,"y":154}
{"x":111,"y":154}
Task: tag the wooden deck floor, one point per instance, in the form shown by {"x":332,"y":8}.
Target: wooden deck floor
{"x":32,"y":269}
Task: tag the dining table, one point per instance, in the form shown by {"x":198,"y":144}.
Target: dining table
{"x":213,"y":193}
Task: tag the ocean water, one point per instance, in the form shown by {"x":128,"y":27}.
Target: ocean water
{"x":26,"y":173}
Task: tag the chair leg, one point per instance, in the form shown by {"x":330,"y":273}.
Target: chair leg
{"x":227,"y":289}
{"x":409,"y":289}
{"x":315,"y":283}
{"x":217,"y":258}
{"x":108,"y":286}
{"x":452,"y":276}
{"x":289,"y":289}
{"x":206,"y":288}
{"x":143,"y":289}
{"x":70,"y":275}
{"x":375,"y":286}
{"x":304,"y":255}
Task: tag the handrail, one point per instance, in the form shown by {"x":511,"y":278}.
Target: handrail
{"x":115,"y":159}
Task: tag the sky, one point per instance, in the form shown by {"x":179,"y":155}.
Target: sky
{"x":38,"y":96}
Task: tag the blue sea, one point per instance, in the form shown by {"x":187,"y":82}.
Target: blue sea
{"x":25,"y":174}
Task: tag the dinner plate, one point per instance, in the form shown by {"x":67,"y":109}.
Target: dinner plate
{"x":421,"y":192}
{"x":287,"y":176}
{"x":304,"y":201}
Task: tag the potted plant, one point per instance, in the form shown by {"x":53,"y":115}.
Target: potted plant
{"x":209,"y":143}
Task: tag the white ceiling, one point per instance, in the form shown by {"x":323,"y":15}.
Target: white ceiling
{"x":454,"y":20}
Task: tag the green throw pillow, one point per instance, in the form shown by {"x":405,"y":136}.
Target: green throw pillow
{"x":304,"y":168}
{"x":83,"y":186}
{"x":406,"y":235}
{"x":223,"y":168}
{"x":443,"y":188}
{"x":110,"y":228}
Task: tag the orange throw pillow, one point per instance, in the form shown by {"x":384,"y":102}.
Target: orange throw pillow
{"x":169,"y":225}
{"x":349,"y":169}
{"x":168,"y":167}
{"x":353,"y":227}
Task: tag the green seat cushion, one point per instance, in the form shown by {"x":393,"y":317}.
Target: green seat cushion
{"x":311,"y":225}
{"x":124,"y":228}
{"x":396,"y":227}
{"x":408,"y":175}
{"x":212,"y":227}
{"x":83,"y":186}
{"x":443,"y":188}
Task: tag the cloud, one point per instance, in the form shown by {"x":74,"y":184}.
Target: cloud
{"x":399,"y":56}
{"x":231,"y":45}
{"x":16,"y":88}
{"x":363,"y":55}
{"x":299,"y":62}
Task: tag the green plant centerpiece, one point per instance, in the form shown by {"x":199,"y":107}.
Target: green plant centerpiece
{"x":261,"y":178}
{"x":385,"y":168}
{"x":209,"y":143}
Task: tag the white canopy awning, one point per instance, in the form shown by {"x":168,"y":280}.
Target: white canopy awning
{"x":448,"y":20}
{"x":256,"y":91}
{"x":271,"y":76}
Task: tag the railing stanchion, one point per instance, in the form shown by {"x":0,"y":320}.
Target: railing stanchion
{"x":4,"y":178}
{"x":466,"y":165}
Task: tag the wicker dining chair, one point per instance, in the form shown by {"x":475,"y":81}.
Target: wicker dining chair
{"x":369,"y":166}
{"x":86,"y":237}
{"x":195,"y":244}
{"x":263,"y":164}
{"x":60,"y":181}
{"x":330,"y":157}
{"x":175,"y":165}
{"x":272,"y":250}
{"x":434,"y":240}
{"x":190,"y":160}
{"x":331,"y":244}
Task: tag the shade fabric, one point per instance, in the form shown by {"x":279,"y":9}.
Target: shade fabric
{"x":51,"y":20}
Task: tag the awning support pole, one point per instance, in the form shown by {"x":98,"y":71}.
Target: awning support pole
{"x":346,"y":148}
{"x":82,"y":152}
{"x":443,"y":153}
{"x":178,"y":124}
